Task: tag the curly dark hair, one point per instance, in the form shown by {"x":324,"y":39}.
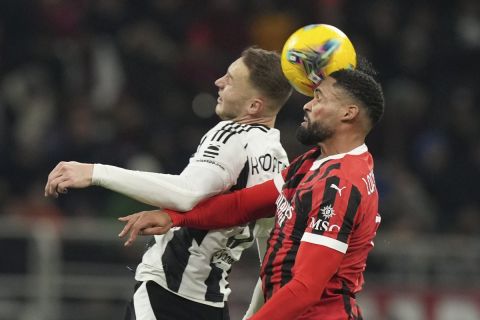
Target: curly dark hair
{"x":362,"y":87}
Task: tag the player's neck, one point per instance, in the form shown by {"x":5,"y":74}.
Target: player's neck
{"x":341,"y":144}
{"x":266,"y":121}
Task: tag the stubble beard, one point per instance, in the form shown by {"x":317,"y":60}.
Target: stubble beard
{"x":313,"y":133}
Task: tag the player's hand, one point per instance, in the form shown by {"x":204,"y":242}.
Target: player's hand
{"x":145,"y":223}
{"x":66,"y":175}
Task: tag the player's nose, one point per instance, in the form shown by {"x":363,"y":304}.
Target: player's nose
{"x":220,"y":82}
{"x":308,"y":106}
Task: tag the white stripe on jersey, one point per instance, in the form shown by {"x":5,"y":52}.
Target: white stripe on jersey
{"x":194,"y":263}
{"x":279,"y":182}
{"x":325,"y":241}
{"x":142,"y":305}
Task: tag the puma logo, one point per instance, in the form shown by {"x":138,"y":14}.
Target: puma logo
{"x":334,"y":186}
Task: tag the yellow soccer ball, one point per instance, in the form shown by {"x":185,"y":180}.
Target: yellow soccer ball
{"x":313,"y":52}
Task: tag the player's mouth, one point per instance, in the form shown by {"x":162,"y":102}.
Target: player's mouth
{"x":305,"y":121}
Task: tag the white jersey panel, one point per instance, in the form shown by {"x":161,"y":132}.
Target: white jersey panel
{"x":195,"y":263}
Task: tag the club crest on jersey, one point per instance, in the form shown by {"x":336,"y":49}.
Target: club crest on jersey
{"x":327,"y":212}
{"x":284,"y":209}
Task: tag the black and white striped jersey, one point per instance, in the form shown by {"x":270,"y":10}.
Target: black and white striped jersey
{"x":195,"y":263}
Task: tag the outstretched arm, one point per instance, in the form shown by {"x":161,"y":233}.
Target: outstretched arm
{"x":203,"y":177}
{"x":179,"y":192}
{"x":222,"y":211}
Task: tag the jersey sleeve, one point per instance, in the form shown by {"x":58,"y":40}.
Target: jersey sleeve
{"x":221,"y":150}
{"x":314,"y":266}
{"x":335,"y":208}
{"x":243,"y":206}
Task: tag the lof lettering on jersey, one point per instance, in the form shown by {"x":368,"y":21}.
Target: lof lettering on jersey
{"x":284,"y":209}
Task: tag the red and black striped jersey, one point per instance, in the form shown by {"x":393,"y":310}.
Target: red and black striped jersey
{"x":332,"y":202}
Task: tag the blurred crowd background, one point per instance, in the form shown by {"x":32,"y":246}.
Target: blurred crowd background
{"x":131,"y":83}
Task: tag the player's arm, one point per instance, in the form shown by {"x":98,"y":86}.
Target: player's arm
{"x":205,"y":175}
{"x":180,"y":192}
{"x":314,"y":266}
{"x":221,"y":211}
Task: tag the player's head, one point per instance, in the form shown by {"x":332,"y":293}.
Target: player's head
{"x":254,"y":86}
{"x":345,"y":100}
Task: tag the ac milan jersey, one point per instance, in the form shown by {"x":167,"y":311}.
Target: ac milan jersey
{"x":195,"y":263}
{"x":331,"y":202}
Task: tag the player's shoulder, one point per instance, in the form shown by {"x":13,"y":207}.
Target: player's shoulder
{"x":228,"y":130}
{"x":354,"y":169}
{"x":232,"y":126}
{"x":309,"y":155}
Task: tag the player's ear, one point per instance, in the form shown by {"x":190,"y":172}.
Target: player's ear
{"x":350,"y":112}
{"x":256,"y":106}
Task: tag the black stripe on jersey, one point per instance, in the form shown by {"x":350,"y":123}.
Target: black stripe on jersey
{"x":223,"y":130}
{"x":312,"y":176}
{"x":296,"y":164}
{"x":329,"y":197}
{"x":330,"y":168}
{"x":244,"y":128}
{"x":292,"y":169}
{"x":234,"y":241}
{"x":176,"y":255}
{"x":346,"y":299}
{"x":234,"y":132}
{"x":258,"y":126}
{"x":352,"y":209}
{"x":269,"y":272}
{"x":230,"y":134}
{"x":202,"y":141}
{"x":211,"y":153}
{"x":242,"y":178}
{"x":294,"y":182}
{"x":303,"y":206}
{"x":219,"y":131}
{"x":229,"y":129}
{"x":213,"y":284}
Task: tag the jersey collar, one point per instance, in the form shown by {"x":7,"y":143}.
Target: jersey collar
{"x":358,"y":150}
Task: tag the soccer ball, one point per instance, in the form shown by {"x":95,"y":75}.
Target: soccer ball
{"x":313,"y":52}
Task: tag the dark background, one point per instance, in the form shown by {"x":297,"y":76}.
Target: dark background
{"x":131,"y":83}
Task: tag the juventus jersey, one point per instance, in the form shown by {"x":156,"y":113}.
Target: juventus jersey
{"x":331,"y":202}
{"x":195,"y":264}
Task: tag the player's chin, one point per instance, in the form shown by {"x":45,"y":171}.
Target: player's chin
{"x":220,"y":111}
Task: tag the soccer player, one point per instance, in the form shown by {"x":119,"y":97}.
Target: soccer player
{"x":186,"y":270}
{"x":326,"y":205}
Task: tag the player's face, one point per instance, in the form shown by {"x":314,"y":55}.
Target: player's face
{"x":322,"y":114}
{"x":235,"y":93}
